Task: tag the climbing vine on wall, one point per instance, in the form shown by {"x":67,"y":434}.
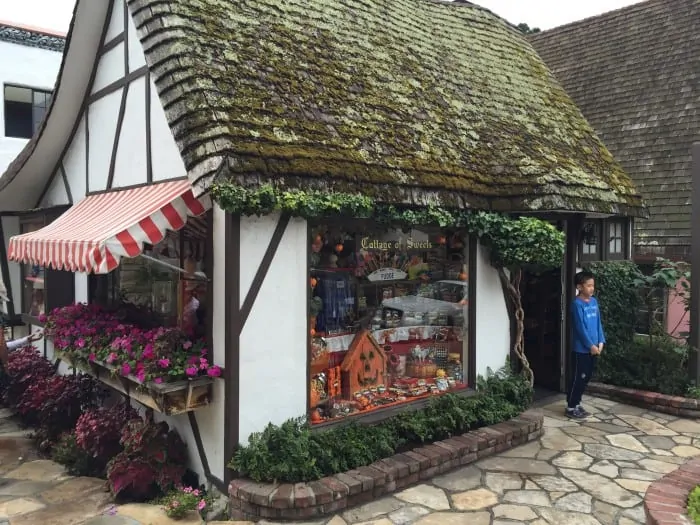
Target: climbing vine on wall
{"x":515,"y":243}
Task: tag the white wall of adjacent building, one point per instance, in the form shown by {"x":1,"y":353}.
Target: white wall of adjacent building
{"x":28,"y":67}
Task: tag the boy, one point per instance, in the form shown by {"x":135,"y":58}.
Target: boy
{"x":588,"y":341}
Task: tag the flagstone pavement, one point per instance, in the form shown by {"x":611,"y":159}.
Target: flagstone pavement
{"x":593,"y":472}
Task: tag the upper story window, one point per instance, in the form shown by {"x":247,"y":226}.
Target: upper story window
{"x":616,"y":238}
{"x":24,"y":110}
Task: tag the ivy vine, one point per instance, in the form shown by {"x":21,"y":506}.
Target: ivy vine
{"x":515,"y":243}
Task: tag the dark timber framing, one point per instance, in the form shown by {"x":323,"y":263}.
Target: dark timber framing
{"x":149,"y":160}
{"x":232,"y":331}
{"x":118,"y":84}
{"x":83,"y":111}
{"x":64,"y":176}
{"x":113,"y":43}
{"x":472,"y":267}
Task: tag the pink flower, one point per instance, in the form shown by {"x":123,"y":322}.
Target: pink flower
{"x":195,"y":492}
{"x":92,"y":357}
{"x":201,"y":504}
{"x":203,"y":364}
{"x":158,"y":380}
{"x":42,"y":318}
{"x":175,"y":503}
{"x":214,"y":371}
{"x":164,"y":363}
{"x":148,"y":351}
{"x":187,"y":490}
{"x":80,"y":343}
{"x":126,"y":369}
{"x":187,"y":345}
{"x":111,"y":358}
{"x":191,"y":371}
{"x":140,"y":375}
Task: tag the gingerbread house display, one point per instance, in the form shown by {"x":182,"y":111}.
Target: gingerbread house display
{"x":364,"y":366}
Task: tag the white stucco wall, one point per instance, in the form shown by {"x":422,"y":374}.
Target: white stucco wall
{"x":492,"y":322}
{"x":273,"y":357}
{"x":27,"y":67}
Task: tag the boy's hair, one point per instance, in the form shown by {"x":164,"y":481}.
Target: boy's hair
{"x":582,"y":277}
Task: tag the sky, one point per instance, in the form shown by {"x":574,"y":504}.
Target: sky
{"x":545,"y":14}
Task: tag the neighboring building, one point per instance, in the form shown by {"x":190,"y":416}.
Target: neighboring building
{"x":29,"y":62}
{"x":635,"y":74}
{"x":157,"y":100}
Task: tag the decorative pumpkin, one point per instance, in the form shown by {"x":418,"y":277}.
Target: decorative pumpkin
{"x":462,"y":276}
{"x":318,"y":239}
{"x":316,"y":417}
{"x":441,"y":240}
{"x":313,"y":332}
{"x":339,"y":247}
{"x":313,"y":282}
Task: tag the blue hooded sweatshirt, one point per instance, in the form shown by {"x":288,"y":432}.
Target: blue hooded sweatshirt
{"x":588,"y":328}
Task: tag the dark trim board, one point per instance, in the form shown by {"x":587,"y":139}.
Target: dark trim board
{"x":118,"y":84}
{"x":64,"y":176}
{"x":149,"y":160}
{"x":472,"y":265}
{"x":112,"y":43}
{"x":117,"y":134}
{"x":232,"y":330}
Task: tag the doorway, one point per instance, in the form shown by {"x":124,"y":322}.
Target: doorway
{"x":542,"y":305}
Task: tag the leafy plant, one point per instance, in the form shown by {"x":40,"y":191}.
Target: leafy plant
{"x":183,"y":500}
{"x":152,"y":460}
{"x":66,"y":452}
{"x":694,"y":505}
{"x":25,"y":367}
{"x":291,"y":452}
{"x":98,"y":430}
{"x":55,"y":403}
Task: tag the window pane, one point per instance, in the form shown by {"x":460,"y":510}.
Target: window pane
{"x":388,"y":314}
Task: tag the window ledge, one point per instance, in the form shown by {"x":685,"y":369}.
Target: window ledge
{"x":381,"y":414}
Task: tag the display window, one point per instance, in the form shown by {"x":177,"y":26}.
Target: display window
{"x":388,"y":317}
{"x":33,"y":278}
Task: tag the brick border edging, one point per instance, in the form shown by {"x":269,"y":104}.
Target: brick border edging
{"x":676,"y":405}
{"x":254,"y":501}
{"x":666,"y":499}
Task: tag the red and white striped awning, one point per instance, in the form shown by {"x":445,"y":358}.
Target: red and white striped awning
{"x":96,"y":233}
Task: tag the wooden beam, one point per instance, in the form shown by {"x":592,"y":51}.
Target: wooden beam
{"x":232,"y":331}
{"x":66,"y":184}
{"x":117,"y":84}
{"x":87,"y":150}
{"x":106,"y":48}
{"x":149,"y":160}
{"x":262,"y":270}
{"x":117,"y":134}
{"x":694,"y":368}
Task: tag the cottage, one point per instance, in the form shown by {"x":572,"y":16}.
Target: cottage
{"x":184,"y":132}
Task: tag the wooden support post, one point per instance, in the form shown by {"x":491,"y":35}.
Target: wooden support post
{"x":694,"y":368}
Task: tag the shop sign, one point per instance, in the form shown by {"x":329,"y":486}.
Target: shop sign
{"x":387,"y":274}
{"x":367,"y":243}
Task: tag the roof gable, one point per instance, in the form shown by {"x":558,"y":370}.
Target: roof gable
{"x":411,"y":101}
{"x":635,"y":74}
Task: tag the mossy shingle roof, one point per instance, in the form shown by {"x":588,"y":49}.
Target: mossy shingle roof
{"x":408,"y":101}
{"x":635,"y":74}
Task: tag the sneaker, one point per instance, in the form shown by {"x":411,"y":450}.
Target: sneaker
{"x":576,"y":413}
{"x":583,"y":411}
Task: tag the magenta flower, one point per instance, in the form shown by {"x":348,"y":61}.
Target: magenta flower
{"x":148,"y":352}
{"x":141,"y":375}
{"x":201,"y":504}
{"x":164,"y":363}
{"x":111,"y":358}
{"x":158,"y":380}
{"x":80,"y":343}
{"x":214,"y":371}
{"x":191,"y":371}
{"x":187,"y":345}
{"x":126,"y":369}
{"x":92,"y":357}
{"x":203,"y":364}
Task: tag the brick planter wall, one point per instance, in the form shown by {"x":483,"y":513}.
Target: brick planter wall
{"x":676,"y":405}
{"x":665,"y":502}
{"x":303,"y":501}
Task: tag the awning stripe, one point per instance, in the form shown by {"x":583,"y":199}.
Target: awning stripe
{"x":95,"y":233}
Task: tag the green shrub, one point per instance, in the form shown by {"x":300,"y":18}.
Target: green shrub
{"x":292,"y":452}
{"x":66,"y":452}
{"x":694,"y":505}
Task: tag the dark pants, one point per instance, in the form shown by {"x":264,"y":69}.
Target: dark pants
{"x":584,"y":365}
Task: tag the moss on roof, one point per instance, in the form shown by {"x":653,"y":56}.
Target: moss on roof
{"x":408,"y":101}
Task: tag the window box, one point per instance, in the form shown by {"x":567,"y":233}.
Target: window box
{"x":170,"y":399}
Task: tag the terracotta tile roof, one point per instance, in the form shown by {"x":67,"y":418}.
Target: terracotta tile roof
{"x":408,"y":101}
{"x":635,"y":74}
